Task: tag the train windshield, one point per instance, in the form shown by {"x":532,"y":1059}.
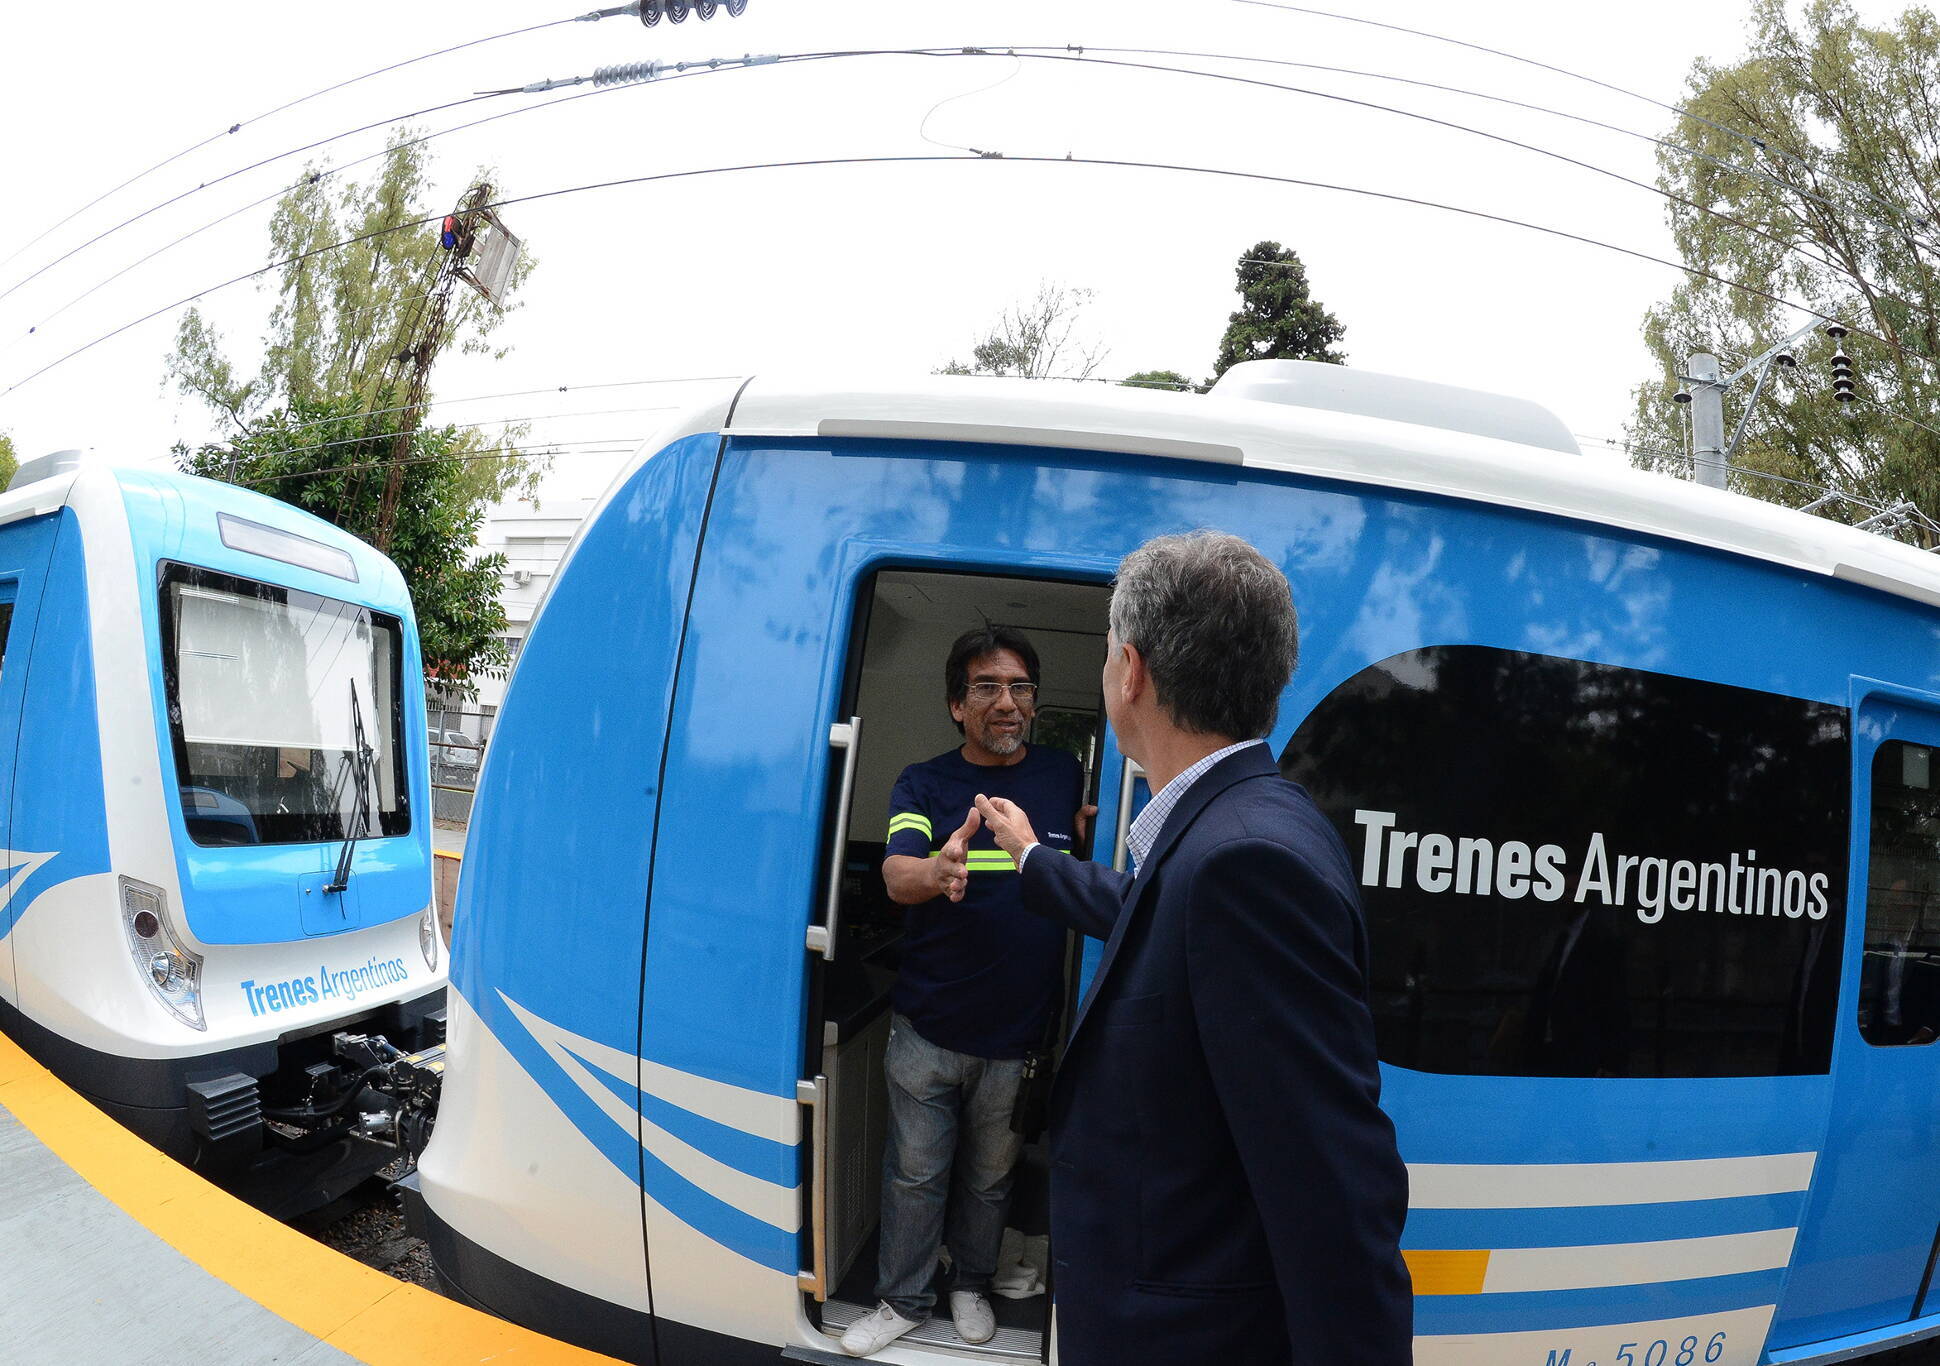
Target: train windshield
{"x":270,"y":693}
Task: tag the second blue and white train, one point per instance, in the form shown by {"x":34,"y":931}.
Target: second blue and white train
{"x":216,"y":917}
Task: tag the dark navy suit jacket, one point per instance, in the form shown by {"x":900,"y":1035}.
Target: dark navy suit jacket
{"x":1224,"y":1185}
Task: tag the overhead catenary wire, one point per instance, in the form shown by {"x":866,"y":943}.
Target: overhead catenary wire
{"x":1528,"y":106}
{"x":1823,"y":494}
{"x":509,"y":393}
{"x":232,"y":448}
{"x":1454,"y":126}
{"x":1629,"y":447}
{"x":1119,"y":163}
{"x":254,"y":119}
{"x":605,"y":445}
{"x":1902,"y":513}
{"x":106,"y":233}
{"x":1900,"y":416}
{"x":1079,"y":54}
{"x":322,"y":174}
{"x":1898,"y":211}
{"x":1756,"y":142}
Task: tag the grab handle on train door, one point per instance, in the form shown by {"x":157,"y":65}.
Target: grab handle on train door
{"x":847,"y":737}
{"x":1119,"y":847}
{"x":815,"y":1095}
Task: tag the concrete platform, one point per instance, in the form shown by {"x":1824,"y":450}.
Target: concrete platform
{"x":112,"y":1253}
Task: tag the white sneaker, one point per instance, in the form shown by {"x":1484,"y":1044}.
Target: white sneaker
{"x":970,"y":1310}
{"x":868,"y":1336}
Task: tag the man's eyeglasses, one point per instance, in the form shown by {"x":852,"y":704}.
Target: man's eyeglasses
{"x":983,"y":694}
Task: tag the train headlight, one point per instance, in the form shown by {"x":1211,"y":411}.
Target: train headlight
{"x":428,"y":937}
{"x":172,"y":972}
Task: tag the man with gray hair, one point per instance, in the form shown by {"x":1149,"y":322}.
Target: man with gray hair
{"x":1224,"y":1185}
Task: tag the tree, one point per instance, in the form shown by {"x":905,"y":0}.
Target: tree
{"x":9,"y":460}
{"x":327,"y":456}
{"x":1833,"y":206}
{"x":1278,"y":318}
{"x":347,"y":324}
{"x":1159,"y":379}
{"x":344,"y":314}
{"x":1034,"y":339}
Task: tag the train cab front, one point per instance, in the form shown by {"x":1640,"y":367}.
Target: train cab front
{"x":257,"y":984}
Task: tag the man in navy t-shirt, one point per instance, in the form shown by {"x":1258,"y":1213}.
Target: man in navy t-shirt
{"x":981,"y":986}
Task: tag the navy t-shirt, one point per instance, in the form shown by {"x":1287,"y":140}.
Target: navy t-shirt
{"x":983,"y":975}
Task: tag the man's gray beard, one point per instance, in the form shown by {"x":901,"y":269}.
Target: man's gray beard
{"x":1002,"y":744}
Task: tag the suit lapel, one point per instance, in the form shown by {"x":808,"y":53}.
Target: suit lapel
{"x":1255,"y":761}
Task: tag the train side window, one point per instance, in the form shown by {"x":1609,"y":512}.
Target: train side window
{"x":1899,"y":975}
{"x":1579,"y":870}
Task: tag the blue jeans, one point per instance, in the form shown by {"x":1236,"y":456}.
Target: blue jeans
{"x":946,"y":1168}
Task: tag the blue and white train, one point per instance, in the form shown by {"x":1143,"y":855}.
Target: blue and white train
{"x":216,"y":921}
{"x":1640,"y":777}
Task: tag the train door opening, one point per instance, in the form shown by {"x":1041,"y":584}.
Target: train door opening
{"x":895,"y":693}
{"x":1878,"y":1241}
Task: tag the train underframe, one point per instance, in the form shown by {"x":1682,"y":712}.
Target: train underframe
{"x":288,"y":1124}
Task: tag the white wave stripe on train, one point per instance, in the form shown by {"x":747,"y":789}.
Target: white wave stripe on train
{"x":1735,"y":1337}
{"x":776,"y":1118}
{"x":1682,"y":1259}
{"x":775,"y":1205}
{"x":1563,"y":1185}
{"x":24,"y":866}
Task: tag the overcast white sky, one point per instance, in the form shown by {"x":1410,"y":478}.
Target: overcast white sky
{"x":882,"y":268}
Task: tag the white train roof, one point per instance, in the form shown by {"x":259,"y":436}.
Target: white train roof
{"x":72,"y":482}
{"x":35,"y":498}
{"x":1431,"y":439}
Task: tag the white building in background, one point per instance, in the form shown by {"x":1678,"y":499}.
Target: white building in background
{"x":533,"y":540}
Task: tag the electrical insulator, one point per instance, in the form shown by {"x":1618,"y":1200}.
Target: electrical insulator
{"x":652,"y":11}
{"x":1842,"y":377}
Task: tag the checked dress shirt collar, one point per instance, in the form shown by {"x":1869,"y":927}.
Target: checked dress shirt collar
{"x":1138,"y":841}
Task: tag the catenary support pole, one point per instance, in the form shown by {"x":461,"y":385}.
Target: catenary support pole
{"x":1707,"y":420}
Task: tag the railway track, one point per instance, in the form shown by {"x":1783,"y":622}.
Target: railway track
{"x":366,"y":1223}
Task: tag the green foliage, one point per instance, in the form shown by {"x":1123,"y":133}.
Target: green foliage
{"x":1035,"y":339}
{"x":1278,"y":318}
{"x":332,"y":369}
{"x":343,"y":314}
{"x":1159,"y":379}
{"x":9,"y":459}
{"x":1836,"y":214}
{"x":328,"y":458}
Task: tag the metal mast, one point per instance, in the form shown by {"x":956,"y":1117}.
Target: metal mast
{"x":481,"y":252}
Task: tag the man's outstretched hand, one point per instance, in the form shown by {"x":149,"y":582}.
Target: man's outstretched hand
{"x":952,"y":861}
{"x":1009,"y":826}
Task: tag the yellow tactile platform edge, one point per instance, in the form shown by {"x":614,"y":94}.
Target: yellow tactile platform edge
{"x":359,"y":1311}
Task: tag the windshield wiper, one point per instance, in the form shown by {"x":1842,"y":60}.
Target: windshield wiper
{"x":358,"y":826}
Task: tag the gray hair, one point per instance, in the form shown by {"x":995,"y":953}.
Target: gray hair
{"x":1214,"y":620}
